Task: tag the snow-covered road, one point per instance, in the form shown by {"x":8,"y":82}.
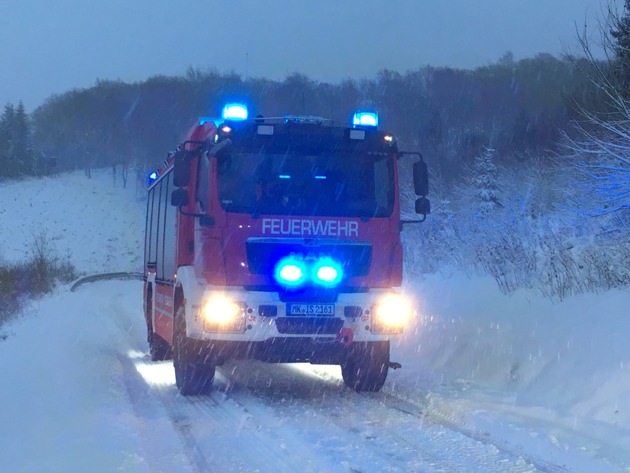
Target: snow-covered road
{"x":80,"y":394}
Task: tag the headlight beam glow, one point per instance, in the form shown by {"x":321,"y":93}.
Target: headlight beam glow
{"x":391,"y":314}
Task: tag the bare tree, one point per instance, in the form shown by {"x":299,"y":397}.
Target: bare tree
{"x":599,"y":146}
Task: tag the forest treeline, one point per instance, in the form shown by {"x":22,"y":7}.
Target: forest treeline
{"x":514,"y":107}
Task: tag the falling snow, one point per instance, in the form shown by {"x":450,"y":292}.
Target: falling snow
{"x":489,"y":382}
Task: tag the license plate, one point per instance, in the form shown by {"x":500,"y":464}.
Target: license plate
{"x":311,"y":309}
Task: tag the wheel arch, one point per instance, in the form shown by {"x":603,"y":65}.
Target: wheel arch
{"x":187,"y":293}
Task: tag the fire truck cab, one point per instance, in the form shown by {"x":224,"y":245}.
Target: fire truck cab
{"x":277,"y":239}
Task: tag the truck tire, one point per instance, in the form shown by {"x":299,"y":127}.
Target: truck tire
{"x":366,"y":366}
{"x":194,"y":368}
{"x":159,"y":349}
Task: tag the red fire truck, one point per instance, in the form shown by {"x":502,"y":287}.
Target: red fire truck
{"x":277,"y":239}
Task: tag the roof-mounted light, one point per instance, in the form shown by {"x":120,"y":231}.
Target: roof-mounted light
{"x":365,"y":119}
{"x":152,"y":178}
{"x":234,"y":111}
{"x":306,"y":119}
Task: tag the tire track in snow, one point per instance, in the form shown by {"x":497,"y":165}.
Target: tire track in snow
{"x":421,"y":411}
{"x":352,"y":440}
{"x":217,"y":433}
{"x":146,"y":404}
{"x":427,"y":446}
{"x":147,"y":408}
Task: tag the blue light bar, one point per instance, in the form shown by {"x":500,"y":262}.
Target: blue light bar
{"x":327,"y":272}
{"x":234,"y":111}
{"x":284,"y":176}
{"x":365,"y":119}
{"x":290,"y":272}
{"x":320,"y":177}
{"x":152,"y":178}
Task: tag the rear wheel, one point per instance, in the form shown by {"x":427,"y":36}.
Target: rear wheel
{"x":194,"y":368}
{"x":366,"y":366}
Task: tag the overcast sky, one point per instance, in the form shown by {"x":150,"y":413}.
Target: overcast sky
{"x":52,"y":46}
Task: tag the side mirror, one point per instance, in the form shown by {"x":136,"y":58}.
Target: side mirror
{"x":179,"y":198}
{"x":420,"y":179}
{"x":181,"y":168}
{"x":423,"y":206}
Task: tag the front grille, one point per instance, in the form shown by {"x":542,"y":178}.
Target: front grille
{"x":308,"y":325}
{"x":264,"y":254}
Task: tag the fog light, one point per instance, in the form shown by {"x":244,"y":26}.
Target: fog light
{"x":391,"y":314}
{"x":221,"y":314}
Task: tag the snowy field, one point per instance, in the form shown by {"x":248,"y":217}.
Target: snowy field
{"x":490,"y":383}
{"x":99,"y":227}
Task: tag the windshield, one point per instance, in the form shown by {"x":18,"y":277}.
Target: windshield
{"x":290,"y":182}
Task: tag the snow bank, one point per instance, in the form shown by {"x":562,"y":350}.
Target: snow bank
{"x":570,"y":358}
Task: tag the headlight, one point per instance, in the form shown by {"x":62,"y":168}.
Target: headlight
{"x":221,"y":314}
{"x":391,"y":314}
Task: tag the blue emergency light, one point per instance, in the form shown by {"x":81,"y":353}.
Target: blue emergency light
{"x":365,"y":119}
{"x":152,"y":178}
{"x":234,"y":111}
{"x":327,"y":272}
{"x":291,"y":272}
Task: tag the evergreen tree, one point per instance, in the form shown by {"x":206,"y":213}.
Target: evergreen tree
{"x":15,"y":136}
{"x":6,"y":140}
{"x":21,"y":132}
{"x":484,"y":181}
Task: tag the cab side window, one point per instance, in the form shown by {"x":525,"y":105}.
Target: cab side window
{"x":203,"y":182}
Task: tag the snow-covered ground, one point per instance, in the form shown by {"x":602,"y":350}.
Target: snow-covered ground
{"x":561,"y":370}
{"x":489,"y":382}
{"x":99,"y":227}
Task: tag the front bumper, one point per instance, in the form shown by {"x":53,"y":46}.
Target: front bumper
{"x":264,"y":318}
{"x":283,"y":350}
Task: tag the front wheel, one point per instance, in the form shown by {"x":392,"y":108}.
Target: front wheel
{"x":159,"y":349}
{"x":366,"y":366}
{"x":194,"y":368}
